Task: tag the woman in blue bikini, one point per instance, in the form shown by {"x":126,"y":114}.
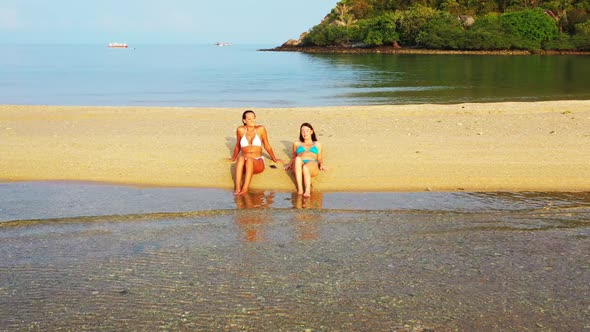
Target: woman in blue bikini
{"x":250,"y":138}
{"x":307,"y":159}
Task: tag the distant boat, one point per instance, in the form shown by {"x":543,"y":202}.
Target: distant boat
{"x":223,"y":44}
{"x":118,"y":45}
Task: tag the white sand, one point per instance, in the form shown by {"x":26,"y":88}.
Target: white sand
{"x":533,"y":146}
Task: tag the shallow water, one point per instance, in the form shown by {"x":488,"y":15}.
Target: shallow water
{"x":87,"y":257}
{"x":50,"y":200}
{"x":299,"y":270}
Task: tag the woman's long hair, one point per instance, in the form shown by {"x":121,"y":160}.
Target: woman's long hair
{"x":313,"y":137}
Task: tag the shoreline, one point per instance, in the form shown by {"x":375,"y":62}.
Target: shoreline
{"x":27,"y":203}
{"x":394,"y":50}
{"x":507,"y":146}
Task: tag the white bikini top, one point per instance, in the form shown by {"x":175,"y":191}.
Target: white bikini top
{"x":256,"y":141}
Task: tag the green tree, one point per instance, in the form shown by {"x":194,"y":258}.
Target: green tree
{"x":360,"y":9}
{"x":444,"y":31}
{"x":575,"y":16}
{"x":533,"y":25}
{"x":518,"y":5}
{"x":581,"y":42}
{"x":327,"y":35}
{"x":487,"y":34}
{"x":482,"y":7}
{"x":559,"y":9}
{"x":453,"y":7}
{"x":583,"y":28}
{"x":379,"y":30}
{"x":381,"y":6}
{"x":499,"y":24}
{"x":561,"y":43}
{"x":342,"y":15}
{"x":412,"y":21}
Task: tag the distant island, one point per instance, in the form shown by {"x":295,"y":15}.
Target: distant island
{"x":450,"y":26}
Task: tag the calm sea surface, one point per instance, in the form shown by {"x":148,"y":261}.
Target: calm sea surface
{"x":69,"y":199}
{"x":241,"y":76}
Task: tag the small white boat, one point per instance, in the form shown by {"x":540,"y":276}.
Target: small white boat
{"x":223,"y":44}
{"x":118,"y":45}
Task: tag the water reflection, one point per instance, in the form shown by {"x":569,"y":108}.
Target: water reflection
{"x":251,"y":222}
{"x":313,"y":202}
{"x":255,"y":199}
{"x":307,"y":221}
{"x":50,"y":200}
{"x":535,"y":200}
{"x":424,"y":78}
{"x":456,"y":201}
{"x":265,"y":200}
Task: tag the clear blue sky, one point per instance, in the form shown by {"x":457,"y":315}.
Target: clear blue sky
{"x":158,"y":21}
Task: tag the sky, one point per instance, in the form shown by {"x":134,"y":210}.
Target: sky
{"x":158,"y":21}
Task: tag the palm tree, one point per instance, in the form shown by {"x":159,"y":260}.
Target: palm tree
{"x":343,"y":15}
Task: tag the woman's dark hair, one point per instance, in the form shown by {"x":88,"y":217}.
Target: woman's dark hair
{"x":305,"y":124}
{"x":244,"y":115}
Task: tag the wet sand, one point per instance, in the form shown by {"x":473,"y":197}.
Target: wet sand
{"x":528,"y":146}
{"x":299,"y":270}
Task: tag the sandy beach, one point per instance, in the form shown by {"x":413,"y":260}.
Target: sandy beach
{"x":512,"y":146}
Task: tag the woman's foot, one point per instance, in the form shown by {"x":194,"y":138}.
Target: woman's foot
{"x":306,"y":194}
{"x":299,"y":190}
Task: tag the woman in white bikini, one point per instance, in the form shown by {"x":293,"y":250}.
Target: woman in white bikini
{"x":307,"y":159}
{"x":249,"y":141}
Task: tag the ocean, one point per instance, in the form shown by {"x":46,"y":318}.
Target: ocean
{"x":242,"y":76}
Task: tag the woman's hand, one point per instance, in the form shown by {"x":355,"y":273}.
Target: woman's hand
{"x":289,"y":166}
{"x":323,"y":168}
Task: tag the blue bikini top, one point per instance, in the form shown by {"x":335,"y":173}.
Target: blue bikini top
{"x":301,"y":149}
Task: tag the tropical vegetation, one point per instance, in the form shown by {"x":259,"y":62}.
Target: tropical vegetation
{"x":456,"y":25}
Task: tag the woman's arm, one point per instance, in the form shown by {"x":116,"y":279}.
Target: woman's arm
{"x":237,"y":147}
{"x":290,"y":165}
{"x":321,"y":157}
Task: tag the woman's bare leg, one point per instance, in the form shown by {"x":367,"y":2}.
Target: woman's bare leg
{"x":239,"y":173}
{"x":309,"y":170}
{"x":251,"y":166}
{"x":306,"y":181}
{"x":298,"y":174}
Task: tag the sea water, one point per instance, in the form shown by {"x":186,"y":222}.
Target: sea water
{"x":243,"y":76}
{"x":53,"y":200}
